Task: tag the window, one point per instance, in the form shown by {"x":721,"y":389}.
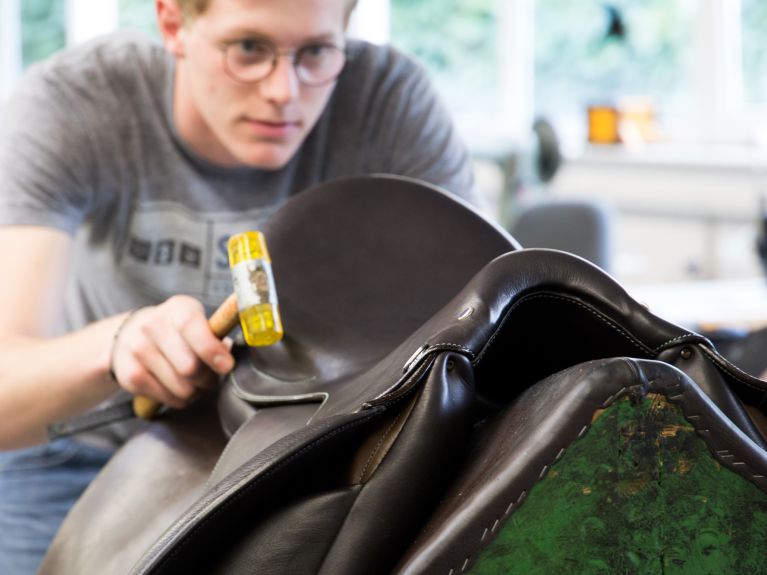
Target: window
{"x":683,"y":57}
{"x":499,"y":63}
{"x":43,"y":29}
{"x":457,"y":40}
{"x":595,"y":52}
{"x":754,"y":30}
{"x":138,"y":15}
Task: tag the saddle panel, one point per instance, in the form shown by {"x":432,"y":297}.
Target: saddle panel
{"x":527,"y":443}
{"x":217,"y":521}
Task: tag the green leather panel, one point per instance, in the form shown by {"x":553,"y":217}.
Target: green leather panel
{"x":639,"y":493}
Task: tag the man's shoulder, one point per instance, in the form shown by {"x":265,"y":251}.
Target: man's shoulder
{"x":377,"y":80}
{"x":110,"y":47}
{"x":378,"y":61}
{"x":92,"y":92}
{"x":120,"y":57}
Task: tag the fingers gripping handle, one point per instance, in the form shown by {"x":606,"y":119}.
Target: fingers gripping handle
{"x":254,"y":302}
{"x":223,"y":320}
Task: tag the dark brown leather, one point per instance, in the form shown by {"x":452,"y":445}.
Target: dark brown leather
{"x":535,"y":313}
{"x":277,"y":481}
{"x":346,"y":436}
{"x":360,"y":264}
{"x":516,"y":447}
{"x":157,"y":475}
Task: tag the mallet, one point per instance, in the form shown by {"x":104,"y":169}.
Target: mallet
{"x":254,"y":303}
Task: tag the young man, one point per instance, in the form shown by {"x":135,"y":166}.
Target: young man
{"x":123,"y":169}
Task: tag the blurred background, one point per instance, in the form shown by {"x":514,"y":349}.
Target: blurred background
{"x":632,"y":132}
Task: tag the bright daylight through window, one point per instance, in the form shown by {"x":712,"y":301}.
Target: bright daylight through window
{"x":650,"y":56}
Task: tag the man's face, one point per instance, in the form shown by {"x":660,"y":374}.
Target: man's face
{"x":258,"y":124}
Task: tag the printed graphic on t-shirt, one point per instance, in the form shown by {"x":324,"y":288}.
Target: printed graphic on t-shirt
{"x":171,"y":249}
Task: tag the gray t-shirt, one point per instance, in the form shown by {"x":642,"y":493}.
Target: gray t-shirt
{"x":88,"y":145}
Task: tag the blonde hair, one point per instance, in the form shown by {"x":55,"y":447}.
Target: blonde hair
{"x":192,"y":8}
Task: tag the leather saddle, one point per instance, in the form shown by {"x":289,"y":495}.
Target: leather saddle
{"x":435,"y":381}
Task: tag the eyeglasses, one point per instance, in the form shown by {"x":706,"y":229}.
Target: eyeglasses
{"x":253,"y":60}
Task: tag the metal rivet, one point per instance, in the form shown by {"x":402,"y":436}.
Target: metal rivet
{"x":466,"y":313}
{"x":686,"y":353}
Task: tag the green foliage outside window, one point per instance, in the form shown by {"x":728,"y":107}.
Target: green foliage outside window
{"x":43,"y":25}
{"x":754,"y":26}
{"x":139,"y":15}
{"x":457,"y":42}
{"x":578,"y":61}
{"x":43,"y":29}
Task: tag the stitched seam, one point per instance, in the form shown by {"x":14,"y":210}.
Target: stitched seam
{"x":597,"y":314}
{"x":635,"y":341}
{"x":445,"y":346}
{"x":251,"y":484}
{"x":378,"y":445}
{"x":227,"y":449}
{"x":431,"y":348}
{"x":411,"y":379}
{"x":675,"y":339}
{"x":516,"y":502}
{"x":723,"y":455}
{"x":730,"y":369}
{"x":678,"y":399}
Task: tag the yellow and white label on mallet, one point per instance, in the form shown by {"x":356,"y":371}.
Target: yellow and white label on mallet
{"x":255,"y":289}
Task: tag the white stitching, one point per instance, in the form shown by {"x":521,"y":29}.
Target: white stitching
{"x":523,"y":494}
{"x":722,"y":455}
{"x":374,"y":452}
{"x":675,"y":339}
{"x":730,"y":368}
{"x":594,"y":312}
{"x":441,"y":347}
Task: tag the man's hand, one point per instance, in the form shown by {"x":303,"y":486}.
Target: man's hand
{"x":169,"y":353}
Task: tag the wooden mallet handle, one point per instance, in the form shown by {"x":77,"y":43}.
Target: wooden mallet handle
{"x":223,"y":320}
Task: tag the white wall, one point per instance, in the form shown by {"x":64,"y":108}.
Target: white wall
{"x":681,"y":215}
{"x":89,"y":18}
{"x":370,"y":21}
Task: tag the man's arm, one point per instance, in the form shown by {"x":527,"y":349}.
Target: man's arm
{"x":166,"y":352}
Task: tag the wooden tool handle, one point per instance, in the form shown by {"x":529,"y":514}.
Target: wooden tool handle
{"x":225,"y":318}
{"x":221,"y":323}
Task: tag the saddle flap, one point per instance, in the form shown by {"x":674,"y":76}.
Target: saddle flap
{"x":304,"y":504}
